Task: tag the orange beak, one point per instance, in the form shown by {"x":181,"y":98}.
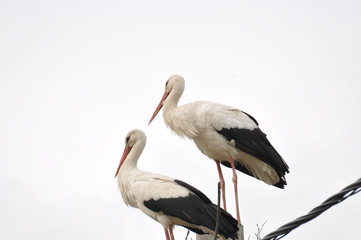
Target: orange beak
{"x":124,"y":156}
{"x":160,"y":105}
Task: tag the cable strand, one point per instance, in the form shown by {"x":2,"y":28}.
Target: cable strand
{"x":330,"y":202}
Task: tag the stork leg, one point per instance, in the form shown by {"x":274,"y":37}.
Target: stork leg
{"x":223,"y":185}
{"x":166,"y":234}
{"x":234,"y":179}
{"x":171,"y":232}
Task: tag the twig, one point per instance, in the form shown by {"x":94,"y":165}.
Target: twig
{"x":259,"y":230}
{"x":187,"y":234}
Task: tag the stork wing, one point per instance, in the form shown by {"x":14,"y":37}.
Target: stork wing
{"x":195,"y":210}
{"x":255,"y":143}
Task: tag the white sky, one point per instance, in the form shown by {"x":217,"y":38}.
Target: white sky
{"x":77,"y":76}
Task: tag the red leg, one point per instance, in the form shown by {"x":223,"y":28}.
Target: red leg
{"x":234,"y":179}
{"x":223,"y":185}
{"x":171,"y":232}
{"x":166,"y":233}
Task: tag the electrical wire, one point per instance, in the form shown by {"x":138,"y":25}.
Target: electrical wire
{"x":330,"y":202}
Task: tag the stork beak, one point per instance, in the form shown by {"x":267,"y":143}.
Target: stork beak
{"x":124,"y":156}
{"x":159,"y":106}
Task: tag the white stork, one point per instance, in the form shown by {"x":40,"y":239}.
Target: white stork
{"x":227,"y":135}
{"x":167,"y":200}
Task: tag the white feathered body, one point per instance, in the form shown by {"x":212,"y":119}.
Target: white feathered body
{"x":200,"y":120}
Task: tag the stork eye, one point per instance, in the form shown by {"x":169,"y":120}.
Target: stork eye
{"x":127,"y":139}
{"x":166,"y":83}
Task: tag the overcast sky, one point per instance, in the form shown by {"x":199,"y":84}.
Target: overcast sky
{"x":77,"y":76}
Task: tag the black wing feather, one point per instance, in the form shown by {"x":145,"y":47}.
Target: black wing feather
{"x":255,"y":143}
{"x":193,"y":190}
{"x":252,"y":118}
{"x":195,"y":209}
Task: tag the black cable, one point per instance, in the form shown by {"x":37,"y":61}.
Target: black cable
{"x":330,"y":202}
{"x":218,"y":211}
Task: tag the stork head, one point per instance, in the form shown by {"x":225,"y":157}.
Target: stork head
{"x":134,"y":139}
{"x":174,"y":88}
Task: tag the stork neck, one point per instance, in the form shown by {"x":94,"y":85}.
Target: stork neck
{"x":171,"y":102}
{"x":169,"y":111}
{"x":126,"y":176}
{"x":174,"y":95}
{"x":133,"y":156}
